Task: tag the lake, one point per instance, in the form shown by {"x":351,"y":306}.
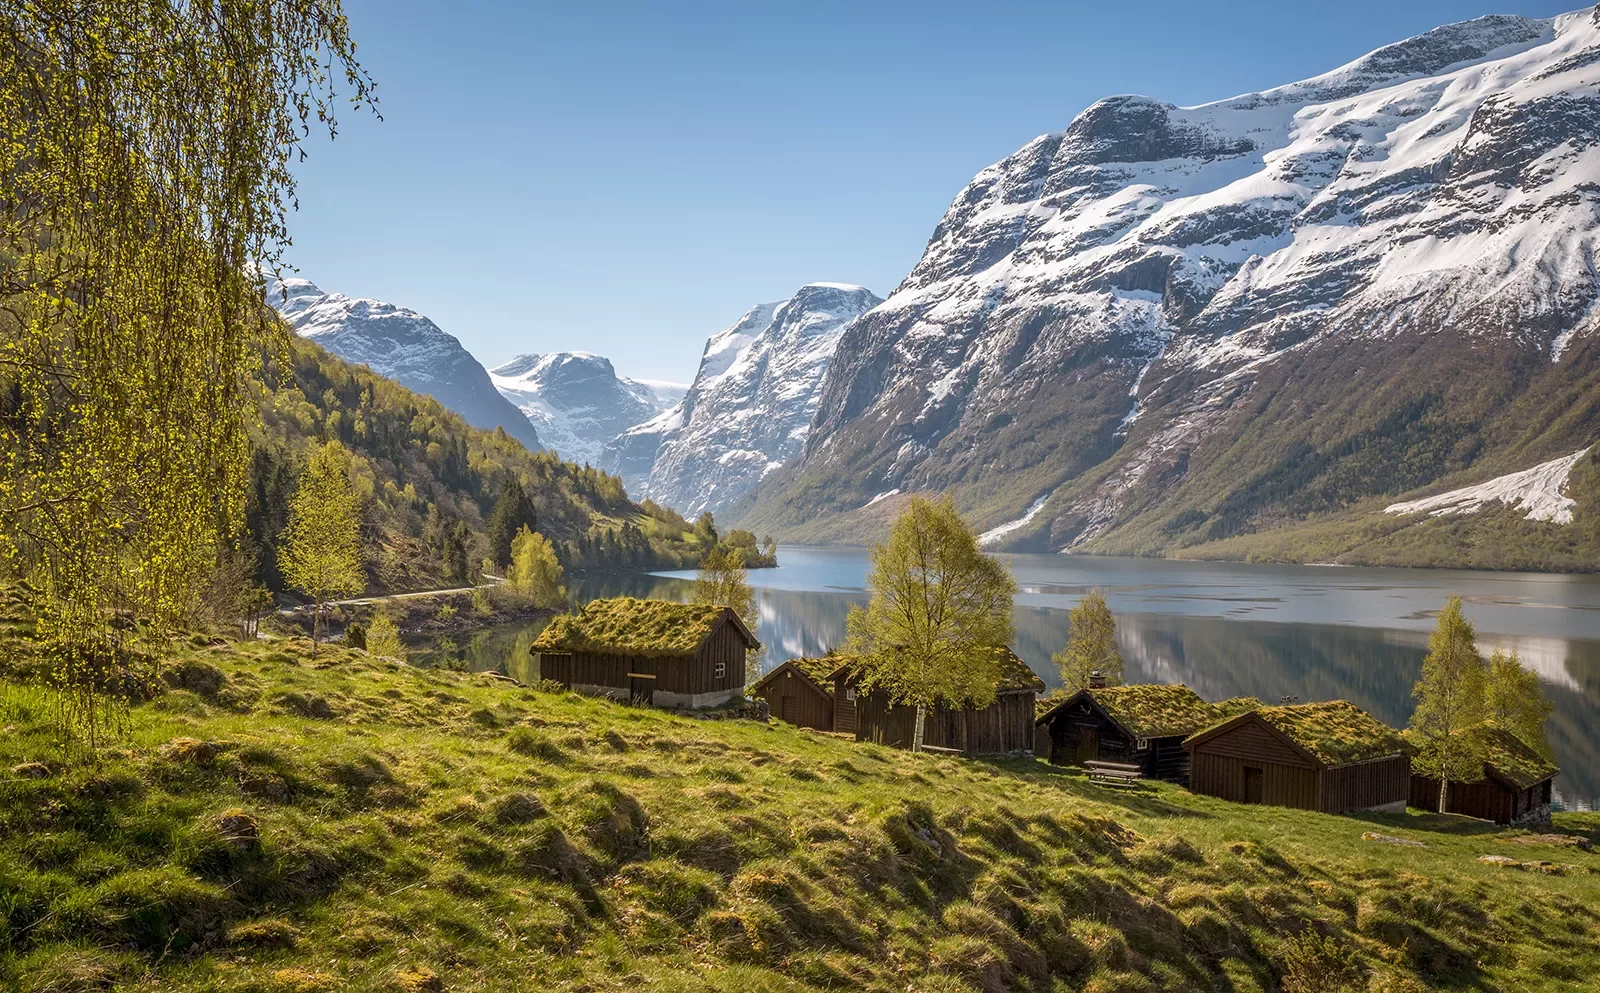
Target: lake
{"x":1225,"y":629}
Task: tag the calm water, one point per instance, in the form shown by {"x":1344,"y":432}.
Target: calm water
{"x":1318,"y":633}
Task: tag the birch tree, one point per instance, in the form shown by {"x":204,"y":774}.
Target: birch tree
{"x":320,"y":549}
{"x":1450,"y":702}
{"x":938,"y":610}
{"x":724,"y":581}
{"x":1091,"y":645}
{"x":1515,"y":700}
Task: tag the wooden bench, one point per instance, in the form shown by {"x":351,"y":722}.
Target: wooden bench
{"x":1118,"y":775}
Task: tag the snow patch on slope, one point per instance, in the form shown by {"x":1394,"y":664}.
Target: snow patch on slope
{"x":1537,"y":492}
{"x":994,"y":534}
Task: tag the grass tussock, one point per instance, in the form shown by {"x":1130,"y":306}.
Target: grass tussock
{"x":432,"y":831}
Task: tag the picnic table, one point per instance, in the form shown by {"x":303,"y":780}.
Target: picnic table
{"x":1119,"y":775}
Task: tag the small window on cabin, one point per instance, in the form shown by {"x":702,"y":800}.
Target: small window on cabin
{"x":1141,"y":744}
{"x":850,"y":694}
{"x":722,"y":669}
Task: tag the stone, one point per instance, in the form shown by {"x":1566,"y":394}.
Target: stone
{"x":31,"y":770}
{"x":1389,"y":839}
{"x":1557,"y":840}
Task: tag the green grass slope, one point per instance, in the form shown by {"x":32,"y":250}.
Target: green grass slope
{"x":284,"y":824}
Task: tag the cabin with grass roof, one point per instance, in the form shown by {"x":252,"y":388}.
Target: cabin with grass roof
{"x":801,"y":692}
{"x":1516,"y":786}
{"x":1002,"y":728}
{"x":1333,"y":757}
{"x":681,"y":655}
{"x":1140,"y":725}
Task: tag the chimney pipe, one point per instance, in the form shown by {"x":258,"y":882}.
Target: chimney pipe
{"x":1097,"y":680}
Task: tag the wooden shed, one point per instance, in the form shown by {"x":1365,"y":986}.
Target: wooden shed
{"x":668,"y":654}
{"x":1515,"y":788}
{"x":801,"y":691}
{"x":1142,"y":724}
{"x":1333,"y":757}
{"x":1003,"y":727}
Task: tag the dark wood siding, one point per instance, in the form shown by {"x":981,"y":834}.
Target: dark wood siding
{"x":1485,"y":799}
{"x":1004,"y":726}
{"x":1223,"y":775}
{"x":725,"y":646}
{"x":1366,"y":785}
{"x":844,"y":707}
{"x":1082,"y":731}
{"x":792,"y":697}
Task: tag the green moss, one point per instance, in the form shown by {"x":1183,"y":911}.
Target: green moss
{"x":1508,"y":756}
{"x":1337,"y":731}
{"x":1153,"y":710}
{"x":629,"y":626}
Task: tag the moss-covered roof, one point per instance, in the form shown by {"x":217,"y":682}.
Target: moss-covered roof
{"x":1234,"y":706}
{"x":1507,"y":755}
{"x":816,"y":670}
{"x":1015,"y":674}
{"x":627,"y":626}
{"x":1337,"y":732}
{"x":1155,"y":710}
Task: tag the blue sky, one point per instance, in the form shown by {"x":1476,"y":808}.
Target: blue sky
{"x":628,"y":178}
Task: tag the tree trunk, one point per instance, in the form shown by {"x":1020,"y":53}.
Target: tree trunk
{"x":1444,"y":794}
{"x":316,"y":625}
{"x":916,"y":736}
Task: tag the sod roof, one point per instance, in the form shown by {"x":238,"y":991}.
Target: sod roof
{"x":816,"y":670}
{"x":1155,"y":710}
{"x":1336,"y":732}
{"x":1507,"y":756}
{"x":627,"y":626}
{"x":1014,"y":674}
{"x":1234,"y":706}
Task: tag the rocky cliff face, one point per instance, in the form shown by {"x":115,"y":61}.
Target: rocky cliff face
{"x":1165,"y":326}
{"x":401,"y":345}
{"x":749,"y":408}
{"x":577,"y":402}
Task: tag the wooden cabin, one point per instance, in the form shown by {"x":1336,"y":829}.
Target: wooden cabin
{"x":801,"y":691}
{"x":1143,"y":725}
{"x":1515,"y":788}
{"x":1333,"y":757}
{"x":1003,"y":727}
{"x":679,"y":655}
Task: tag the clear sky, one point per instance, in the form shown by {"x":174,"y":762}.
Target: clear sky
{"x":628,"y":178}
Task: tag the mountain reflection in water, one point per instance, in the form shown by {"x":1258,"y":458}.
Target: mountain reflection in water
{"x":1224,"y":629}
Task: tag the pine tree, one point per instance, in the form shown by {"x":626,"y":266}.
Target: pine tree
{"x":512,"y":511}
{"x":320,"y":550}
{"x":1450,"y":702}
{"x":1091,"y":645}
{"x":939,"y":609}
{"x":1515,"y":700}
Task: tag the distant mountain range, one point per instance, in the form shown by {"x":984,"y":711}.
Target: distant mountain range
{"x":1273,"y":326}
{"x":1172,"y":329}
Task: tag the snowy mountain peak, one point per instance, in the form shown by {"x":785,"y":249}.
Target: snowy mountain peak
{"x":750,"y":406}
{"x":401,"y":344}
{"x":1100,"y":312}
{"x":577,"y":401}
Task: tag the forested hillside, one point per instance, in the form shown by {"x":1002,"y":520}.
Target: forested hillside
{"x":428,"y":481}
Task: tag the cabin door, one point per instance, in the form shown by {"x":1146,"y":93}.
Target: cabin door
{"x":642,"y":680}
{"x":1088,"y":743}
{"x":1252,"y":785}
{"x":786,"y":708}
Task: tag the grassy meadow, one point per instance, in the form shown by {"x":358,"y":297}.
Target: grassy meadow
{"x":281,"y":823}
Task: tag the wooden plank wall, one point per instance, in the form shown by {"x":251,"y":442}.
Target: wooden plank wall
{"x":1004,"y":726}
{"x":844,"y":709}
{"x":1065,"y":726}
{"x":1485,"y":799}
{"x":725,"y":645}
{"x":1370,"y":784}
{"x":1222,"y":775}
{"x":808,"y":706}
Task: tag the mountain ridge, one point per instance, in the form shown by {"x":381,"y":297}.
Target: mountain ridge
{"x":1144,"y":328}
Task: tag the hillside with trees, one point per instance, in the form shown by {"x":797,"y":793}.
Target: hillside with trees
{"x":438,"y":497}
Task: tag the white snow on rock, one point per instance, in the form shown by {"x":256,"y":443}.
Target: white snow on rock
{"x":1537,"y":492}
{"x":749,"y":408}
{"x":402,"y":345}
{"x":577,"y":401}
{"x":995,"y":534}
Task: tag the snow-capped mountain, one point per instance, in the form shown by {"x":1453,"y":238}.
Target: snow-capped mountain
{"x":749,"y":408}
{"x":577,"y":402}
{"x":1168,"y":325}
{"x":402,"y":345}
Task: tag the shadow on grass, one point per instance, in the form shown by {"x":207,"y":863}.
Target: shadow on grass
{"x":1142,"y":800}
